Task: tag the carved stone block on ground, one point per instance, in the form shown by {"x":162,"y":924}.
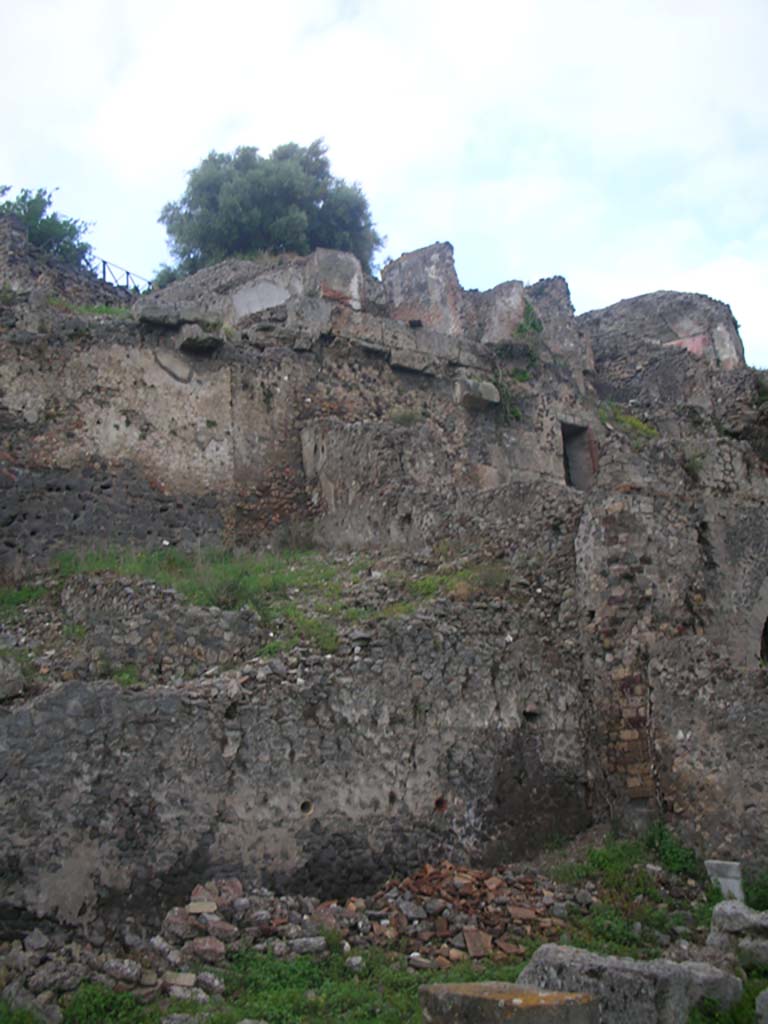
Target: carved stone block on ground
{"x":632,"y":991}
{"x":495,"y":1002}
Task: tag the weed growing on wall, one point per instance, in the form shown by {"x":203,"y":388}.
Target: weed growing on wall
{"x":508,"y":407}
{"x":638,"y":431}
{"x":100,"y":309}
{"x":530,"y":324}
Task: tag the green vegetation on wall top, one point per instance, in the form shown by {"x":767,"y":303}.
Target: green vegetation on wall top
{"x":241,"y":203}
{"x":61,"y":237}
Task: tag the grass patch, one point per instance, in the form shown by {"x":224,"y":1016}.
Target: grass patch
{"x":671,"y":853}
{"x":487,"y":578}
{"x":95,"y":1004}
{"x":13,"y":599}
{"x":298,"y":991}
{"x":637,"y":430}
{"x":273,"y":584}
{"x":289,"y":992}
{"x":632,"y":910}
{"x":756,"y":891}
{"x":99,"y":309}
{"x":212,"y":578}
{"x":300,"y":596}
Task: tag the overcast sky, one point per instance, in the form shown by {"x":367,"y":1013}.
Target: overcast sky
{"x":621,"y":144}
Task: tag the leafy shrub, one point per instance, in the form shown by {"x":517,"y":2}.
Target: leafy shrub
{"x":530,"y":324}
{"x":673,"y":856}
{"x":241,"y":203}
{"x":57,"y":236}
{"x":127,"y":676}
{"x":509,"y":409}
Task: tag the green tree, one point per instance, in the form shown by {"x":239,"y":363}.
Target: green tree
{"x":58,"y":236}
{"x":241,"y":203}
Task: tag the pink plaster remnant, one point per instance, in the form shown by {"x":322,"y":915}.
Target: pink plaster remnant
{"x":696,"y":344}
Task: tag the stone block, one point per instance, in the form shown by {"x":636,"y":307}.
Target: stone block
{"x":505,"y":307}
{"x":202,"y":907}
{"x":412,"y":359}
{"x":495,"y":1002}
{"x":475,"y":394}
{"x":181,"y":979}
{"x":735,"y":917}
{"x":150,"y":309}
{"x":11,"y":678}
{"x":363,"y":329}
{"x":726,"y":874}
{"x":423,"y":285}
{"x":336,"y":276}
{"x":753,"y":953}
{"x":632,"y":991}
{"x":761,"y":1008}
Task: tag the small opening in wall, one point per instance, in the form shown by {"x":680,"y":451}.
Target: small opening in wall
{"x":579,"y":456}
{"x":392,"y":798}
{"x":764,"y":644}
{"x":306,"y":807}
{"x":441,"y":805}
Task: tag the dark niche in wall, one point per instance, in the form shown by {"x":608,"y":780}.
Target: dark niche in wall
{"x":579,"y":456}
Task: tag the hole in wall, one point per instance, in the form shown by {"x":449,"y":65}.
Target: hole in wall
{"x":441,"y":805}
{"x":392,"y":798}
{"x":579,"y":456}
{"x":764,"y":643}
{"x":306,"y":807}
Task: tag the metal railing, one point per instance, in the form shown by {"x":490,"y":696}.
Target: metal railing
{"x":111,"y":273}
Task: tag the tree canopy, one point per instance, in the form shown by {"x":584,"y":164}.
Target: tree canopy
{"x":241,"y":203}
{"x":58,"y":236}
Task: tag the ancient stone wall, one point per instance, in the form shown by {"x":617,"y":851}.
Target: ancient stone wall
{"x":29,"y":272}
{"x":701,"y":326}
{"x":401,"y":416}
{"x":452,"y":730}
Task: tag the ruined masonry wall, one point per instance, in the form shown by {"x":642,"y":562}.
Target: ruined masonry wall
{"x":323,"y":772}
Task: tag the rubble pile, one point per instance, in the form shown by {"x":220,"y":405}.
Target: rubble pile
{"x":436,"y":917}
